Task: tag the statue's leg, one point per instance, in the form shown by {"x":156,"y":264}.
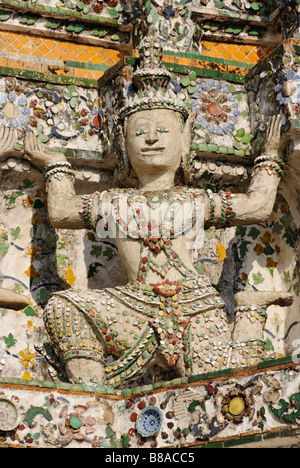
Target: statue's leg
{"x":84,"y":369}
{"x":74,"y":340}
{"x":209,"y":341}
{"x":87,"y":326}
{"x":248,"y":347}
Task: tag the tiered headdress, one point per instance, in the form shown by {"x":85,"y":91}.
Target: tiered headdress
{"x":151,"y":82}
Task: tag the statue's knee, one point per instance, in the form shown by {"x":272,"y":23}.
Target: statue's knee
{"x":71,"y":335}
{"x":84,"y":369}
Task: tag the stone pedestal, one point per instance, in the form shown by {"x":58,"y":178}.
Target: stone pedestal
{"x":253,"y":407}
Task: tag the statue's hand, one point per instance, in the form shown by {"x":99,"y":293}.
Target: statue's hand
{"x":7,"y":142}
{"x":36,"y":154}
{"x":273,"y":136}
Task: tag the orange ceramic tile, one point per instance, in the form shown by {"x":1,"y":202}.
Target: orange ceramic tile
{"x":248,"y":54}
{"x":87,"y":74}
{"x":40,"y":52}
{"x":240,"y":55}
{"x":56,"y":49}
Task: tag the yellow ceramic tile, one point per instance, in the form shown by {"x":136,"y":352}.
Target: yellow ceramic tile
{"x":248,"y":54}
{"x":56,"y":49}
{"x":88,"y":74}
{"x":90,"y":53}
{"x":240,"y":55}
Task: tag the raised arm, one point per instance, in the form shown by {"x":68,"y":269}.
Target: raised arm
{"x":65,"y":208}
{"x":257,"y":204}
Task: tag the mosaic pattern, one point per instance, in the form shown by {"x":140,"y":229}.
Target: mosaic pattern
{"x":56,"y":53}
{"x":149,"y":421}
{"x":272,"y":266}
{"x":87,"y":32}
{"x":9,"y":418}
{"x":45,"y":108}
{"x":111,"y":10}
{"x":221,"y":412}
{"x":245,"y":7}
{"x":217,"y":106}
{"x":287,"y":88}
{"x":248,"y":54}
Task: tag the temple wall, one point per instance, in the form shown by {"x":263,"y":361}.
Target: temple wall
{"x":65,"y":67}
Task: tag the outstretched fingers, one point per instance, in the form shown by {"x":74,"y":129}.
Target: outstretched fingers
{"x":272,"y":142}
{"x":29,"y":142}
{"x":274,"y":127}
{"x":271,"y":126}
{"x":11,"y":138}
{"x":277,"y":129}
{"x":7,"y":141}
{"x":35,"y":152}
{"x":39,"y":145}
{"x":36,"y":143}
{"x":4,"y":139}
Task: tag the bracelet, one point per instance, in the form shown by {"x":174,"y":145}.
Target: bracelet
{"x":271,"y":168}
{"x":227,"y":212}
{"x":86,"y":212}
{"x":251,"y":311}
{"x":58,"y":173}
{"x":212,"y":207}
{"x":269,"y":158}
{"x":57,"y":164}
{"x":57,"y":170}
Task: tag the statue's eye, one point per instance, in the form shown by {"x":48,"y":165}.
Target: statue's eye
{"x":163,"y":130}
{"x":141,"y":132}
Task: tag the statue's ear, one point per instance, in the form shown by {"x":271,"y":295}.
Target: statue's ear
{"x":186,"y":146}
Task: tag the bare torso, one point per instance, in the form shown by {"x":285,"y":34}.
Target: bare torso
{"x":133,"y":246}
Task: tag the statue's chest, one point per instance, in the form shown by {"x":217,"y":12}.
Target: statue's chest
{"x":154,"y":217}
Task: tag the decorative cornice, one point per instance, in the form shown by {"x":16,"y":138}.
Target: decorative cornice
{"x":48,"y":386}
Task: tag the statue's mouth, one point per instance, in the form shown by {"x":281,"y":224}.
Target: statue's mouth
{"x":150,"y":151}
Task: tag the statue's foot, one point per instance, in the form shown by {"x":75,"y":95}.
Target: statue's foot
{"x":12,"y":300}
{"x":85,"y":370}
{"x":263,"y":299}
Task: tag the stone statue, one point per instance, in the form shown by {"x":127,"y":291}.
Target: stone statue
{"x":10,"y":299}
{"x":167,"y":316}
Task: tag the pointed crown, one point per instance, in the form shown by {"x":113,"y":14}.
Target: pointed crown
{"x":151,"y":82}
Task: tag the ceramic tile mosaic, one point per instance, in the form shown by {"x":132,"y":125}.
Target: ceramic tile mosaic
{"x":40,"y":51}
{"x":49,"y":86}
{"x":248,"y":54}
{"x":226,"y":410}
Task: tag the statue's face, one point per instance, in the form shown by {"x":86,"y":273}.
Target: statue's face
{"x":154,"y":141}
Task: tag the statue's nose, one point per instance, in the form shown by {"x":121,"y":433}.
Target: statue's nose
{"x":152,"y":136}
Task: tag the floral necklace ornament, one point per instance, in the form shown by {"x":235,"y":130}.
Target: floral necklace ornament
{"x":157,"y":235}
{"x":171,"y":326}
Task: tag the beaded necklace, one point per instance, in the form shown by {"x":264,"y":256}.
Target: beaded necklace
{"x":156,"y":236}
